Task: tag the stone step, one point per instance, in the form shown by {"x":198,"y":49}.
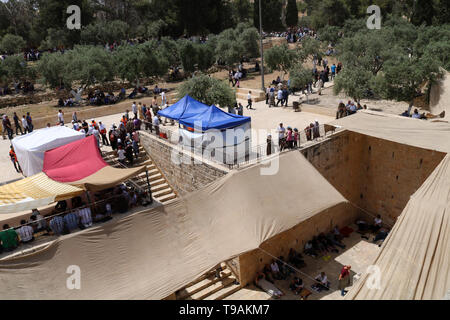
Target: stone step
{"x":224,"y":292}
{"x":213,"y":288}
{"x":243,"y":96}
{"x":158,"y":182}
{"x":208,"y":281}
{"x":166,"y":198}
{"x":155,"y":177}
{"x":158,"y":188}
{"x":161,"y":193}
{"x":211,"y":272}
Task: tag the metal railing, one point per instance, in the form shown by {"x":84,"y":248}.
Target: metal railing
{"x":252,"y":154}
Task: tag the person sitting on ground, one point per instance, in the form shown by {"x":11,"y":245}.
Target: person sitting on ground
{"x":297,"y":285}
{"x":318,"y":246}
{"x":308,"y":249}
{"x":333,"y":240}
{"x":71,"y":220}
{"x":377,"y":224}
{"x":337,"y":234}
{"x":268,"y":273}
{"x":25,"y":232}
{"x":39,"y":224}
{"x":57,"y":225}
{"x":268,"y":287}
{"x":381,"y":236}
{"x":342,"y":111}
{"x":85,"y":216}
{"x":416,"y":114}
{"x":285,"y":269}
{"x":276,"y":270}
{"x":9,"y":240}
{"x":296,"y":258}
{"x":322,"y":283}
{"x":329,"y":246}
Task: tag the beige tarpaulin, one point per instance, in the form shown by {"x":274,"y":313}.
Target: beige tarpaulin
{"x":414,"y":262}
{"x":107,"y":177}
{"x":34,"y":192}
{"x":151,"y":254}
{"x":427,"y":134}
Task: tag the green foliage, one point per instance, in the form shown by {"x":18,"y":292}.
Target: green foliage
{"x":169,"y":48}
{"x":14,"y":68}
{"x":56,"y":38}
{"x":242,"y":10}
{"x":90,"y":65}
{"x":393,"y":62}
{"x":280,"y":58}
{"x":12,"y":44}
{"x":232,"y":44}
{"x":271,"y":15}
{"x":135,"y":62}
{"x":329,"y":12}
{"x":195,"y":56}
{"x":300,"y":76}
{"x":208,"y":90}
{"x":310,"y":47}
{"x":329,"y":34}
{"x":53,"y":70}
{"x":291,"y":13}
{"x":104,"y":32}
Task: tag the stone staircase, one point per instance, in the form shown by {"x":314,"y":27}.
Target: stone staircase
{"x":160,"y":187}
{"x":208,"y":287}
{"x":257,"y":95}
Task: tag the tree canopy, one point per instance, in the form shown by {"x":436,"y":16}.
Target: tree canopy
{"x":208,"y":90}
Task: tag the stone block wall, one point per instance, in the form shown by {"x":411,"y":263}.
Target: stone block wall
{"x":252,"y":262}
{"x":183,"y":170}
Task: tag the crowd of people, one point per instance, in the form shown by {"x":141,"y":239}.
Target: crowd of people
{"x":292,"y":34}
{"x":79,"y":216}
{"x":348,"y":109}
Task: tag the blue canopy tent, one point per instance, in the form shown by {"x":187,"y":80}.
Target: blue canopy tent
{"x":184,"y":108}
{"x":213,"y":118}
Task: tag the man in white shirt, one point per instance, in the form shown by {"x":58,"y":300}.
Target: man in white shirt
{"x":322,"y":281}
{"x":121,"y":155}
{"x":281,"y":136}
{"x":134,"y":109}
{"x":25,"y":232}
{"x":25,"y":124}
{"x":280,"y":97}
{"x":85,"y":217}
{"x":156,"y":124}
{"x":61,"y":117}
{"x":378,"y":223}
{"x":276,"y":270}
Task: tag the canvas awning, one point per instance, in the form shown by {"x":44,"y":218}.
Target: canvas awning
{"x":153,"y":253}
{"x":34,"y":192}
{"x":184,"y":108}
{"x":214,"y":118}
{"x":81,"y":164}
{"x":30,"y":148}
{"x":427,"y":134}
{"x":414,"y":262}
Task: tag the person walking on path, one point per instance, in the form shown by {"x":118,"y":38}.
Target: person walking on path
{"x":7,"y":126}
{"x":25,"y":125}
{"x":17,"y":124}
{"x":344,"y":279}
{"x":29,"y":122}
{"x":249,"y":99}
{"x":13,"y":156}
{"x":240,"y":109}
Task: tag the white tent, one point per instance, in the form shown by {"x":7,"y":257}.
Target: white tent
{"x":31,"y":147}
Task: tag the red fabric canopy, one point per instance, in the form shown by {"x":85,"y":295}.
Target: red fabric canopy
{"x":74,"y":161}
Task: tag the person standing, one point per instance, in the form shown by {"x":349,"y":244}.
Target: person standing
{"x":344,"y":279}
{"x":13,"y":156}
{"x":17,"y":124}
{"x":285,"y":97}
{"x":25,"y":125}
{"x":333,"y":71}
{"x":134,"y":109}
{"x":102,"y":130}
{"x":240,"y":109}
{"x":156,"y":124}
{"x":29,"y":122}
{"x":249,"y":100}
{"x":7,"y":126}
{"x":280,"y":97}
{"x":281,"y":137}
{"x":267,"y":95}
{"x":60,"y":117}
{"x":74,"y":116}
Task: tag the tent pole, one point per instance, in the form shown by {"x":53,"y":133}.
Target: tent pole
{"x":89,"y":200}
{"x":148,"y":186}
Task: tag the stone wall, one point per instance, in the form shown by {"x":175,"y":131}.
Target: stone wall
{"x":252,"y":262}
{"x":375,"y":174}
{"x":184,"y":171}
